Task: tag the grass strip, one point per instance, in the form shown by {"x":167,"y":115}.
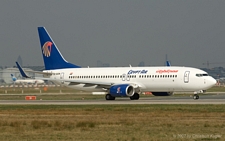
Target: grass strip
{"x":112,"y":122}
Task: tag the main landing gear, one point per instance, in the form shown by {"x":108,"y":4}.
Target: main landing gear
{"x":110,"y":97}
{"x":135,"y":96}
{"x":196,"y":96}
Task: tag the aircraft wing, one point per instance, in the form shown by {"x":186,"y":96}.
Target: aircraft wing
{"x":39,"y":72}
{"x":75,"y":82}
{"x":106,"y":85}
{"x":25,"y":75}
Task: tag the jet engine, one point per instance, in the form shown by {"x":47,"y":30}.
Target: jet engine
{"x":122,"y":90}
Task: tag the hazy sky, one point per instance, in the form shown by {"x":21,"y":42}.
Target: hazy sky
{"x":118,"y":32}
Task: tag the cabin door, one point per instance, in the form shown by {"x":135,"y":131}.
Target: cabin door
{"x":186,"y":76}
{"x":62,"y":77}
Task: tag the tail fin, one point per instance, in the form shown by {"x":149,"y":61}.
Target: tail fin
{"x":22,"y":71}
{"x":13,"y":78}
{"x":52,"y":57}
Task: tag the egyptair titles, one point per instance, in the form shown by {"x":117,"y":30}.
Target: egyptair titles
{"x":137,"y":72}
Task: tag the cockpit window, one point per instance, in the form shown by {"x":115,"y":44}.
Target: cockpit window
{"x":200,"y":75}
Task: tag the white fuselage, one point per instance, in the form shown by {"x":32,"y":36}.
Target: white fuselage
{"x":154,"y":79}
{"x":29,"y":81}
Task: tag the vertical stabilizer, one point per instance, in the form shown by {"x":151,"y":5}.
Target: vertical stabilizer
{"x":13,"y":78}
{"x":52,"y":57}
{"x":22,"y":72}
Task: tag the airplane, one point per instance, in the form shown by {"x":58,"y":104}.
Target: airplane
{"x":29,"y":80}
{"x":26,"y":81}
{"x":120,"y":81}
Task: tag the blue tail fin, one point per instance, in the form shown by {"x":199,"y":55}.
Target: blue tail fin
{"x":51,"y":55}
{"x":21,"y":70}
{"x":13,"y":78}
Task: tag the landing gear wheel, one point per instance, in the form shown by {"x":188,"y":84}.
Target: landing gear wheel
{"x":135,"y":96}
{"x":109,"y":97}
{"x":195,"y":97}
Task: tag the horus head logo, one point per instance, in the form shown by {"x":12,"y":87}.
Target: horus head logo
{"x":118,"y":90}
{"x":47,"y":48}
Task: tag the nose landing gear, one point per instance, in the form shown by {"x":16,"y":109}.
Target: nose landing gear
{"x":196,"y":97}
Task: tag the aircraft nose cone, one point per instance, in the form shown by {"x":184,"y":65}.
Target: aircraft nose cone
{"x":210,"y":82}
{"x":213,"y":82}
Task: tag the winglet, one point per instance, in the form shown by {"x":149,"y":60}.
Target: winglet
{"x":21,"y":71}
{"x":52,"y":57}
{"x":168,"y":63}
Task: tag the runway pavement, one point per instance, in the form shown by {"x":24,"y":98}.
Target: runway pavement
{"x":204,"y":99}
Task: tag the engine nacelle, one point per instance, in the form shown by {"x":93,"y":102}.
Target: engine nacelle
{"x":162,"y":93}
{"x":122,"y":90}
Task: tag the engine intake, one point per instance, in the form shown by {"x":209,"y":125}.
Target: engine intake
{"x":122,"y":90}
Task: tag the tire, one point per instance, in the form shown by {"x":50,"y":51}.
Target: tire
{"x":135,"y":96}
{"x":109,"y":97}
{"x":195,"y":97}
